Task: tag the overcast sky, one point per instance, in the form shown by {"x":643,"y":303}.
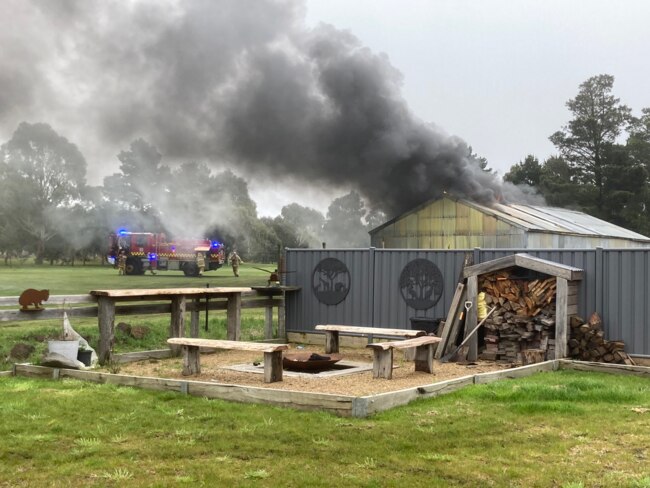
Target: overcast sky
{"x":219,"y":79}
{"x":498,"y":72}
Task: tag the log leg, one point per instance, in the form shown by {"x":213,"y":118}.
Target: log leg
{"x":234,"y":317}
{"x":272,"y":366}
{"x":268,"y":322}
{"x":194,"y":319}
{"x":282,"y":318}
{"x":177,"y":325}
{"x":331,"y":341}
{"x":106,"y":314}
{"x":382,"y":363}
{"x":424,"y":358}
{"x":191,"y":360}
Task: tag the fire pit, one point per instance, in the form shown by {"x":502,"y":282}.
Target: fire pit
{"x":307,"y":361}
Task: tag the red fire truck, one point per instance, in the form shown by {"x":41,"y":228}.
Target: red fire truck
{"x":146,"y":250}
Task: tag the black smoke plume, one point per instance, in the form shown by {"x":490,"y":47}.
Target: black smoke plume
{"x":243,"y":83}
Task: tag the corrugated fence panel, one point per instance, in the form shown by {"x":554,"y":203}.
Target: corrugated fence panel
{"x":304,"y":310}
{"x":390,"y":307}
{"x":626,"y":309}
{"x":616,"y":284}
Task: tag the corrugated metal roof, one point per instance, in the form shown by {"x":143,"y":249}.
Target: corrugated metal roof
{"x":551,"y":220}
{"x":558,"y":220}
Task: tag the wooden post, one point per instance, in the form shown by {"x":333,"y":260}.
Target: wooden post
{"x":234,"y":317}
{"x":272,"y":366}
{"x":106,"y":314}
{"x":194,"y":319}
{"x":177,"y":325}
{"x":191,"y":361}
{"x":282,"y":333}
{"x":451,"y":317}
{"x":471,"y":319}
{"x":331,"y":341}
{"x":424,"y":358}
{"x":268,"y":321}
{"x":382,"y":364}
{"x":561,"y":318}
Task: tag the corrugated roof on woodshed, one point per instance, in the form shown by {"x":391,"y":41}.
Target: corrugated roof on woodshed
{"x":455,"y":217}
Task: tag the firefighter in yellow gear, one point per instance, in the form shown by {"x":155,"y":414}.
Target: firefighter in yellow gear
{"x":121,"y":263}
{"x":235,"y":261}
{"x":200,"y":262}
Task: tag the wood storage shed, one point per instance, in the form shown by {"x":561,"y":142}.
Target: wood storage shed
{"x":453,"y":223}
{"x":532,"y":309}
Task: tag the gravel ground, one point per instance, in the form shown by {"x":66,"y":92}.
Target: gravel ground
{"x":357,"y":384}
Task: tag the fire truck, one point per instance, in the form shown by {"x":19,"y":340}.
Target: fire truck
{"x":146,"y":250}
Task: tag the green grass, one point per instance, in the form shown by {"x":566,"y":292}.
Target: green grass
{"x":73,"y":280}
{"x":591,"y":430}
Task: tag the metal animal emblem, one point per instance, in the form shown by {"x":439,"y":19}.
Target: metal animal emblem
{"x":33,"y":297}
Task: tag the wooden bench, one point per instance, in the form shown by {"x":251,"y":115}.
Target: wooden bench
{"x":382,"y":364}
{"x":332,"y":333}
{"x":192,"y":365}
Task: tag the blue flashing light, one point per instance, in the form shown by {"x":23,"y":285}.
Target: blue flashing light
{"x":153,"y":256}
{"x":122,"y":232}
{"x":173,"y":248}
{"x":216,"y":244}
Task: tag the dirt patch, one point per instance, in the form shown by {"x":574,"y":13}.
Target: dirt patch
{"x":357,"y":384}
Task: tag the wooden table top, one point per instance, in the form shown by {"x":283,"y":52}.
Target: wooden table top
{"x":170,"y":292}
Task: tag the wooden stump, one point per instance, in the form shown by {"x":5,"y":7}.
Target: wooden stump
{"x":272,"y":366}
{"x":382,"y":364}
{"x":532,"y":356}
{"x":191,"y":361}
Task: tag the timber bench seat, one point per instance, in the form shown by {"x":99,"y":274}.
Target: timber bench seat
{"x":192,"y":365}
{"x":382,"y":364}
{"x":332,"y":333}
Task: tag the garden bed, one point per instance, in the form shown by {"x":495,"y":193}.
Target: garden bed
{"x":213,"y":369}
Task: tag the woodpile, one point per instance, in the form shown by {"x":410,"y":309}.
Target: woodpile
{"x":587,"y":344}
{"x":524,"y":319}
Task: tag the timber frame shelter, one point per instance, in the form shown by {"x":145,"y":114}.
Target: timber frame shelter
{"x":566,"y":300}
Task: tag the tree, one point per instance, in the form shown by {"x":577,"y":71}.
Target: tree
{"x":625,"y":190}
{"x":42,"y":172}
{"x":306,"y":222}
{"x":344,"y":226}
{"x":141,"y":184}
{"x":598,"y":119}
{"x":638,"y":142}
{"x":480,"y":161}
{"x":557,"y":183}
{"x":526,"y":172}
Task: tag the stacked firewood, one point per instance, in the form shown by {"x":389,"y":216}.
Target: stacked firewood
{"x":524,"y":318}
{"x":587,"y":343}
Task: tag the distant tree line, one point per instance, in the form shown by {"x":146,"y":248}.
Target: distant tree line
{"x":47,"y":210}
{"x":602,"y":166}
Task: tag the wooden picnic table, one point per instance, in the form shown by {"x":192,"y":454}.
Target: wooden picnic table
{"x":107,"y":299}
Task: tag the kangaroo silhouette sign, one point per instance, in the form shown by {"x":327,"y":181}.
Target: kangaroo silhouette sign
{"x":330,"y":281}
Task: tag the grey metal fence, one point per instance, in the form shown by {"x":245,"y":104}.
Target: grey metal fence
{"x":367,"y":291}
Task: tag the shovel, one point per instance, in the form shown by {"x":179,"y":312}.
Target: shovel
{"x":452,"y":354}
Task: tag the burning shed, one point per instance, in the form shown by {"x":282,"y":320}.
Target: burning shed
{"x":453,"y":223}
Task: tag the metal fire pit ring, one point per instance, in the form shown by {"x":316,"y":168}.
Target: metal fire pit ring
{"x":299,"y":361}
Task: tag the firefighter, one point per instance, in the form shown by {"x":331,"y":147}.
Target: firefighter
{"x":200,"y":262}
{"x":235,"y":261}
{"x":121,"y":262}
{"x":152,"y":263}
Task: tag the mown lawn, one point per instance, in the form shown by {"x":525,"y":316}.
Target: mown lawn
{"x":564,"y":429}
{"x":72,"y":280}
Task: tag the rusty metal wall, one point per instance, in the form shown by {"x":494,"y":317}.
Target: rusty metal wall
{"x":616,"y":285}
